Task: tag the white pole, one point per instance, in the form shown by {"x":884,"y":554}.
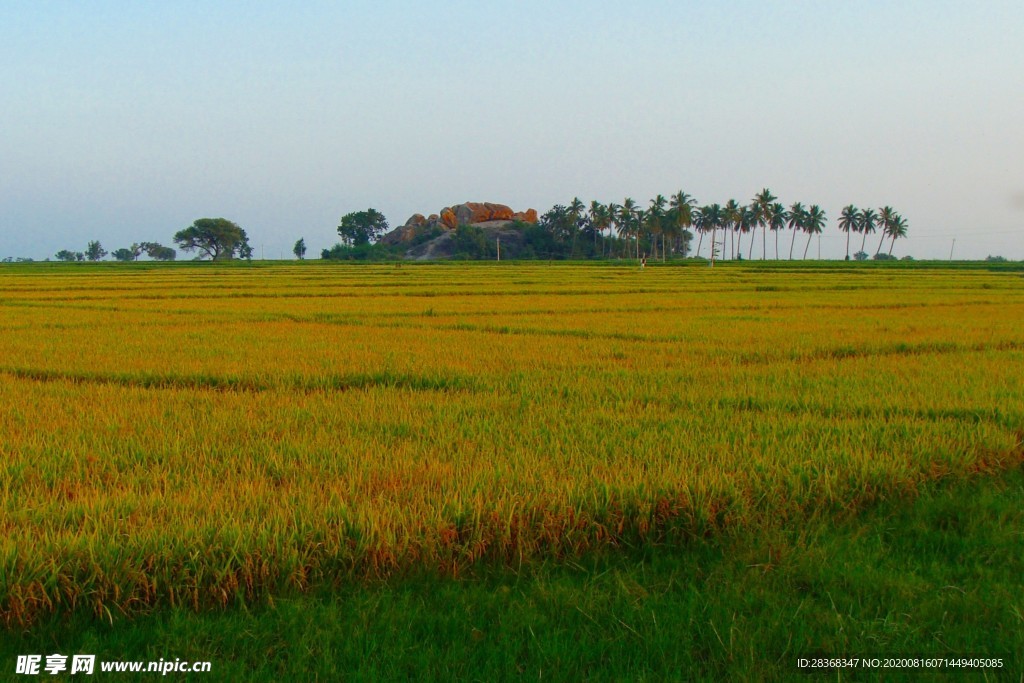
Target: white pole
{"x":499,"y":248}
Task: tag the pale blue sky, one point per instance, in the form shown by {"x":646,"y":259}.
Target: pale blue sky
{"x":125,"y":121}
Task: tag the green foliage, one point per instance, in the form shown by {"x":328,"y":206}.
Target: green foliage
{"x":95,"y":251}
{"x":158,"y":252}
{"x":882,"y":256}
{"x":216,"y":238}
{"x":472,"y":244}
{"x":424,"y":234}
{"x":123,"y":254}
{"x":300,"y":249}
{"x":362,"y":227}
{"x":860,"y":256}
{"x":69,"y":256}
{"x":995,"y":259}
{"x":937,"y":574}
{"x":361,"y":252}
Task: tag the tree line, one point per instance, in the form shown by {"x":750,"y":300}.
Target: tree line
{"x":664,"y":228}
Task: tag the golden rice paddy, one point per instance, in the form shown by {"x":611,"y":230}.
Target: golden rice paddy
{"x":207,"y":435}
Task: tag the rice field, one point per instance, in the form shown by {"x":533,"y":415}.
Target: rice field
{"x":208,"y":435}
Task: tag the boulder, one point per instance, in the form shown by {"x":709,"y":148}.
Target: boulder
{"x":448,"y":218}
{"x":416,"y":219}
{"x":528,"y":216}
{"x":471,"y":213}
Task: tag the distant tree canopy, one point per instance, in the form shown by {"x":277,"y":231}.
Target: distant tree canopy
{"x":157,"y":251}
{"x":95,"y":251}
{"x":217,"y":238}
{"x":69,"y":256}
{"x":300,"y":249}
{"x":123,"y":254}
{"x":362,"y":227}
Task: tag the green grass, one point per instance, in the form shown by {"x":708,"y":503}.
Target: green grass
{"x":939,"y":575}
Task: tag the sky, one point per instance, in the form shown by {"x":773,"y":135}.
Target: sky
{"x":125,"y":121}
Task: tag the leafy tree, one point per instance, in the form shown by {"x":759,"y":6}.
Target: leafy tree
{"x":471,"y":243}
{"x":95,"y":251}
{"x":158,"y":252}
{"x":68,"y":256}
{"x":217,"y":238}
{"x":362,"y":227}
{"x":300,"y":249}
{"x":123,"y":254}
{"x":558,"y":222}
{"x":860,"y":256}
{"x":849,"y":221}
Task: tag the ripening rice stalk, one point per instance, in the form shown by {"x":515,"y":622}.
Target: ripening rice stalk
{"x":210,"y":437}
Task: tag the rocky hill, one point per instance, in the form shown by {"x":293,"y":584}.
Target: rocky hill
{"x":433,"y":237}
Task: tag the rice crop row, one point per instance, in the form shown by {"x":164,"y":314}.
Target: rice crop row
{"x":163,"y":443}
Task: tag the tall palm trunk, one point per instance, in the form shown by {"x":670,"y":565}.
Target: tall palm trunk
{"x":879,"y":250}
{"x":753,"y":239}
{"x":892,"y":245}
{"x":809,"y":236}
{"x":700,"y":241}
{"x":739,"y":243}
{"x":791,"y":245}
{"x":863,"y":240}
{"x":847,"y":245}
{"x":712,"y":247}
{"x":776,"y":244}
{"x":764,"y":241}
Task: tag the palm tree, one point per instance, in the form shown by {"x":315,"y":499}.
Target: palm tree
{"x":627,"y":212}
{"x":868,"y":224}
{"x":627,"y":221}
{"x":713,"y":217}
{"x":598,"y":221}
{"x":795,"y":221}
{"x":898,"y":228}
{"x":814,"y":224}
{"x":849,"y":220}
{"x":748,"y":223}
{"x":700,"y":226}
{"x":575,"y":213}
{"x":777,"y":222}
{"x":762,"y":206}
{"x":681,"y":205}
{"x":655,"y":217}
{"x":885,"y":216}
{"x":732,"y":213}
